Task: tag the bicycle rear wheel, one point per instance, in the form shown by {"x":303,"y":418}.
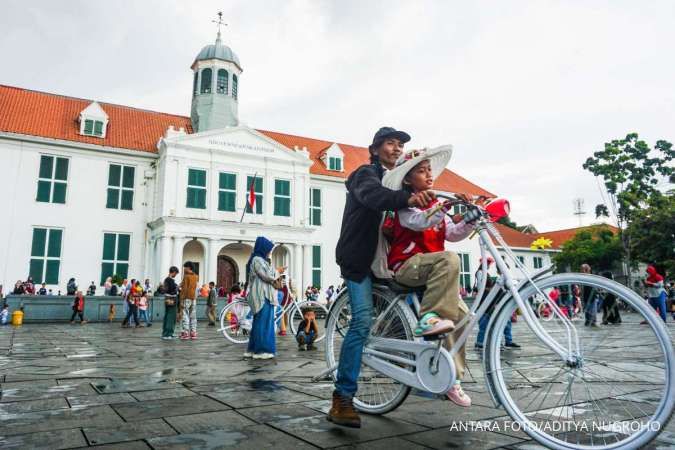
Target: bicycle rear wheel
{"x":236,"y":322}
{"x":377,"y":393}
{"x":321,"y":313}
{"x":619,"y":397}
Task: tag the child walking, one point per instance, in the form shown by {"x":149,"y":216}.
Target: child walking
{"x":78,"y":308}
{"x":188,"y":297}
{"x":418,"y":257}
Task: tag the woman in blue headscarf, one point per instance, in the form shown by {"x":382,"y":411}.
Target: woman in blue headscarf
{"x":262,"y":299}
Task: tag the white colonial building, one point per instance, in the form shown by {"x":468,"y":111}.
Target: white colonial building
{"x":94,"y":189}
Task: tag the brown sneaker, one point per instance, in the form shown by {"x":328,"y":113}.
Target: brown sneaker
{"x":343,"y":413}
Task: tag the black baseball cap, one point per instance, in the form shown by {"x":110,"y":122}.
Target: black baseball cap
{"x":389,"y":132}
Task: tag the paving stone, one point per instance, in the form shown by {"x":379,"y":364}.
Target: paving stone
{"x":159,"y":394}
{"x":128,"y":431}
{"x":134,"y":445}
{"x":12,"y":392}
{"x":441,"y":413}
{"x":477,"y":440}
{"x":384,"y":444}
{"x":275,"y":413}
{"x":320,"y":432}
{"x":219,"y":420}
{"x":33,"y":405}
{"x":11,"y":424}
{"x":104,"y":399}
{"x":254,"y":437}
{"x":168,"y":407}
{"x":51,"y":440}
{"x":117,"y":385}
{"x":242,"y":397}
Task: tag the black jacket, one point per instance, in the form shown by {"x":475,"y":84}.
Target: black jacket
{"x":366,"y":200}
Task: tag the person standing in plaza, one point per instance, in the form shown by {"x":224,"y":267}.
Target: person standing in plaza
{"x":43,"y":289}
{"x":107,"y":286}
{"x":211,"y":301}
{"x":610,"y":309}
{"x":188,"y":300}
{"x":367,"y":200}
{"x":655,"y":291}
{"x":262,"y":299}
{"x":78,"y":308}
{"x":170,"y":304}
{"x":589,"y":301}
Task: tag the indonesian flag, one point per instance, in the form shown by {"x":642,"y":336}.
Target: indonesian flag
{"x":251,"y":194}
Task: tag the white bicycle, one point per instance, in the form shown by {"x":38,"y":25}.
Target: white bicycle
{"x":571,"y":387}
{"x":236,"y":318}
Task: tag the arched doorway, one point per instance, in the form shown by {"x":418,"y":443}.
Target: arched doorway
{"x":194,"y":251}
{"x":280,"y":256}
{"x":228,"y":272}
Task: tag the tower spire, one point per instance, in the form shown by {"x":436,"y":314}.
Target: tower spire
{"x":219,"y":23}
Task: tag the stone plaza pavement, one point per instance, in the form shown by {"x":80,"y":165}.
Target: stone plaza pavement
{"x":97,"y":385}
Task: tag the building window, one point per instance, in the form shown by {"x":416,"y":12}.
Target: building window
{"x":115,"y":259}
{"x":521,"y":259}
{"x":234,"y":86}
{"x":227,"y":191}
{"x":538,"y":262}
{"x":282,"y":198}
{"x":316,"y":266}
{"x":221,"y":85}
{"x":194,"y":84}
{"x":45,"y":255}
{"x":120,"y":187}
{"x":206,"y":81}
{"x":93,"y":128}
{"x":335,"y":163}
{"x":459,"y":209}
{"x":258,"y":189}
{"x":196,"y":189}
{"x":52,"y":179}
{"x":464,"y":271}
{"x":315,"y":206}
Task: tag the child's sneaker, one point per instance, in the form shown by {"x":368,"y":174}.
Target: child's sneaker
{"x":457,"y":396}
{"x":431,"y":324}
{"x":184,"y":336}
{"x":193,"y":335}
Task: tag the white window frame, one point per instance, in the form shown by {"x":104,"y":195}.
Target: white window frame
{"x":234,"y":191}
{"x":289,"y":196}
{"x":45,"y":258}
{"x":313,"y":207}
{"x":537,"y":262}
{"x":121,"y":186}
{"x":116,"y":261}
{"x":317,"y":268}
{"x":464,"y":270}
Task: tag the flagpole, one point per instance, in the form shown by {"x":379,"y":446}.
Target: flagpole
{"x":247,"y":197}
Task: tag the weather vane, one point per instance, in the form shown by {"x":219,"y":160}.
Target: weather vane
{"x":219,"y":22}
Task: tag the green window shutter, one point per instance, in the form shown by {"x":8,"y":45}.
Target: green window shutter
{"x":44,"y":191}
{"x":192,"y":177}
{"x":282,"y":187}
{"x":226,"y":201}
{"x":88,"y":126}
{"x":61,"y":172}
{"x":109,"y":242}
{"x":339,"y":164}
{"x":54,"y":247}
{"x":122,"y":270}
{"x":112,"y":200}
{"x":123,"y":247}
{"x":316,"y":278}
{"x":36,"y":270}
{"x":316,"y":217}
{"x":316,"y":193}
{"x":191,"y":198}
{"x":128,"y":177}
{"x":227,"y":181}
{"x":107,"y":270}
{"x":127,"y":200}
{"x":52,"y":272}
{"x":59,"y":193}
{"x":194,"y":84}
{"x":46,"y":166}
{"x":316,"y":256}
{"x":114,"y":175}
{"x":98,"y":128}
{"x":39,"y":242}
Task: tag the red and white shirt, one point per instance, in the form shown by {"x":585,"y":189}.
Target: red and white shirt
{"x":414,"y":232}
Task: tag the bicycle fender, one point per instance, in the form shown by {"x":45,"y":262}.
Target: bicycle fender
{"x":489,"y":330}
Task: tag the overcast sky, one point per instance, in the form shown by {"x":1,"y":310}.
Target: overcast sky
{"x":525,"y":91}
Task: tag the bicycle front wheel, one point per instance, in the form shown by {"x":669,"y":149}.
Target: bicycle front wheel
{"x":321,"y":312}
{"x":377,"y":393}
{"x":620,"y":394}
{"x":236,"y":321}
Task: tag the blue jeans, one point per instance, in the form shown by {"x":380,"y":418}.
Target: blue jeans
{"x":591,"y":310}
{"x":306,"y":338}
{"x":660,"y":304}
{"x":482,"y":326}
{"x":143,"y":315}
{"x":349,"y":367}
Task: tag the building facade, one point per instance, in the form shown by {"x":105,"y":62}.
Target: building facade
{"x":95,"y":189}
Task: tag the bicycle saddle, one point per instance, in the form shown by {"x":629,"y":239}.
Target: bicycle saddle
{"x":398,"y":288}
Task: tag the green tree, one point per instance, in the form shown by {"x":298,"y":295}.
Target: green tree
{"x":631,"y":171}
{"x":597,"y":246}
{"x":652,"y":234}
{"x":506,"y":220}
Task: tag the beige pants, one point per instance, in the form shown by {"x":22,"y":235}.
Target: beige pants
{"x":439,"y":271}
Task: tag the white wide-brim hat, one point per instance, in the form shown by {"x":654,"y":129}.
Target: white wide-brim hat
{"x":438,"y":158}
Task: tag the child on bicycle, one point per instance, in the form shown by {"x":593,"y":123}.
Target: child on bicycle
{"x":418,"y":256}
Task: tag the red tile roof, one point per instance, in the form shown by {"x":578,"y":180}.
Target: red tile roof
{"x":34,"y":113}
{"x":515,"y":238}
